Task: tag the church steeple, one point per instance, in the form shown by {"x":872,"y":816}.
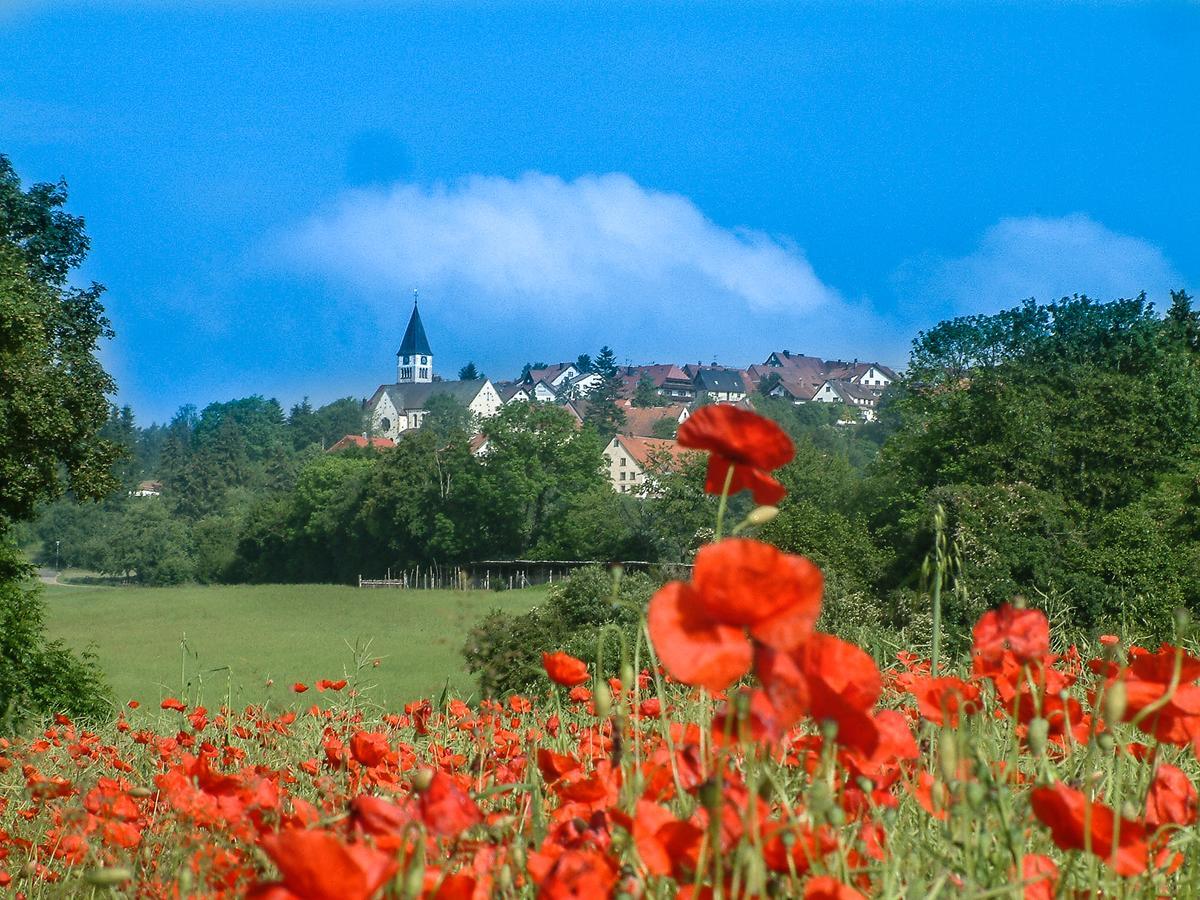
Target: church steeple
{"x":414,"y":364}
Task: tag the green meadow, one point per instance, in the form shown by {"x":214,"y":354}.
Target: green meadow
{"x":214,"y":642}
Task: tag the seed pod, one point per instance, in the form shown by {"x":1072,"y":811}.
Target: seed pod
{"x":602,"y":697}
{"x":948,"y":755}
{"x":110,"y":877}
{"x":1106,"y":742}
{"x":627,"y":677}
{"x":1038,"y":734}
{"x":976,"y":795}
{"x":1116,"y":701}
{"x":710,"y":796}
{"x":761,"y":515}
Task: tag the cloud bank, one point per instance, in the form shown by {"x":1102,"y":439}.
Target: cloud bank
{"x":597,"y":259}
{"x":1049,"y":258}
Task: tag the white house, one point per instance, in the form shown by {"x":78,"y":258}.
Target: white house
{"x":862,"y":398}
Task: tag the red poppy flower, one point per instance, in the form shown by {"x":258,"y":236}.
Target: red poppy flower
{"x":564,"y":669}
{"x":693,"y":648}
{"x":370,"y":748}
{"x":1148,"y":680}
{"x":826,"y":887}
{"x":316,"y":865}
{"x":1064,"y":811}
{"x":447,"y":809}
{"x":173,"y":703}
{"x":578,"y":875}
{"x":742,"y":440}
{"x":941,"y":700}
{"x":1043,"y":873}
{"x":1024,"y":632}
{"x":1171,"y":799}
{"x":299,"y":687}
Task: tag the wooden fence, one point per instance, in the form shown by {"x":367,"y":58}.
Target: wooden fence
{"x":506,"y":574}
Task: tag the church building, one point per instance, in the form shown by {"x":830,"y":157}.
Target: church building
{"x":395,"y":408}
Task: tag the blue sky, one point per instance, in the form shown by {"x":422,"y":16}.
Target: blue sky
{"x":265,"y":183}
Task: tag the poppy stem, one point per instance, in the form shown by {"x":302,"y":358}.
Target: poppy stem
{"x":722,"y":504}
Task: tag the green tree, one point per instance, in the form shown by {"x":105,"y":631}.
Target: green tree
{"x":646,"y":394}
{"x":468,"y":372}
{"x":603,"y":414}
{"x":53,"y":406}
{"x":447,"y":418}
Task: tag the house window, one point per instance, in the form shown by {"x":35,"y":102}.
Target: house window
{"x":623,"y":461}
{"x":622,"y":474}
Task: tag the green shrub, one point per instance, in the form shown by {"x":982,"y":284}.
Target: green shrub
{"x":504,"y":652}
{"x":39,"y":677}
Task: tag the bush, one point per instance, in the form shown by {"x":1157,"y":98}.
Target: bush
{"x":39,"y":677}
{"x":505,"y":652}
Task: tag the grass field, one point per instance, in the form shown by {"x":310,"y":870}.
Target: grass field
{"x":206,"y":641}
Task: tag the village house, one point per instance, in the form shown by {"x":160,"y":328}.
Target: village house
{"x":147,"y":489}
{"x":396,"y":408}
{"x":646,"y":421}
{"x":719,"y":385}
{"x":632,"y":461}
{"x":669,"y":380}
{"x":863,"y":399}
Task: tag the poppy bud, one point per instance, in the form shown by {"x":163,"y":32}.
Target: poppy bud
{"x":865,"y":784}
{"x":837,"y":816}
{"x":1039,"y":731}
{"x":422,"y":780}
{"x":820,"y":798}
{"x":109,"y":877}
{"x":829,"y":729}
{"x":1183,"y":622}
{"x":710,"y":796}
{"x":948,"y":755}
{"x":761,"y":515}
{"x":517,"y":854}
{"x":602,"y":698}
{"x":976,"y":794}
{"x":1106,"y":742}
{"x":504,"y":879}
{"x":414,"y":878}
{"x":1019,"y":601}
{"x":627,"y":677}
{"x":140,"y":793}
{"x":1116,"y":699}
{"x":185,"y":880}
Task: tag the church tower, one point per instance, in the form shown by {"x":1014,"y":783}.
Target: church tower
{"x":414,"y":363}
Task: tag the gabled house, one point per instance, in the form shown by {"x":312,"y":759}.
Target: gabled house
{"x":669,"y":380}
{"x":512,"y":391}
{"x":147,"y":489}
{"x":863,"y":399}
{"x":542,"y":391}
{"x":719,"y":385}
{"x":632,"y":460}
{"x":640,"y":421}
{"x":556,"y":376}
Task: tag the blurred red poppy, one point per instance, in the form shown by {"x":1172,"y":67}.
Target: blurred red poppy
{"x":742,"y":440}
{"x":316,"y":865}
{"x":1077,"y":823}
{"x":1171,"y":799}
{"x":1024,"y":632}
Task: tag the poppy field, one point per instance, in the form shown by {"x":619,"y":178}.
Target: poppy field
{"x":740,"y":752}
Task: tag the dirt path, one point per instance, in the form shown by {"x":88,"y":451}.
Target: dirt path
{"x":49,"y":576}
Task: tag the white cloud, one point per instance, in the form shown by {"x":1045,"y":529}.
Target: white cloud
{"x":1049,"y":258}
{"x":597,"y":258}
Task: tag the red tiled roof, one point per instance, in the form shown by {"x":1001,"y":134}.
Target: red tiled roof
{"x":357,"y":440}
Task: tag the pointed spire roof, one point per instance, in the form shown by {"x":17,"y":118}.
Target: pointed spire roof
{"x":415,"y":343}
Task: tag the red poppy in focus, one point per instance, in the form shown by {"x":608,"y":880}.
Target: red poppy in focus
{"x":1024,"y":632}
{"x":172,"y":703}
{"x":299,"y":687}
{"x":742,"y":440}
{"x":564,"y":669}
{"x":1150,"y":680}
{"x":1064,"y":811}
{"x":1171,"y":799}
{"x":737,"y":584}
{"x":316,"y":865}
